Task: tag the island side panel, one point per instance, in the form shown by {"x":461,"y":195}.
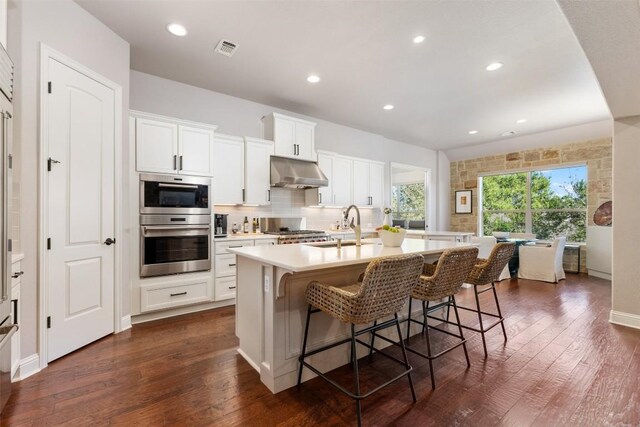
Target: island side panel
{"x":250,"y":310}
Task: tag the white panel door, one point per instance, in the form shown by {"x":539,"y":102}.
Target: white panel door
{"x":228,"y":164}
{"x":361,"y":183}
{"x":195,"y":147}
{"x":325,"y":194}
{"x":284,"y":137}
{"x":80,"y":210}
{"x":342,"y":181}
{"x":304,"y":139}
{"x":376,"y":184}
{"x":257,"y":181}
{"x":156,"y":146}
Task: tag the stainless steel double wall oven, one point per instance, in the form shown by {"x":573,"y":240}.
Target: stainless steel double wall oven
{"x":175,"y":224}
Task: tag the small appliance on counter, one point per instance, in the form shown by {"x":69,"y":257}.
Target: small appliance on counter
{"x":220,"y":221}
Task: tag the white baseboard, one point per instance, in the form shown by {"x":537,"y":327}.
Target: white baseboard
{"x":600,"y":274}
{"x":125,"y":323}
{"x":624,"y":319}
{"x":28,"y":366}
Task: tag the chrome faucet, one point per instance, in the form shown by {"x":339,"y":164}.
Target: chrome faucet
{"x":355,"y":227}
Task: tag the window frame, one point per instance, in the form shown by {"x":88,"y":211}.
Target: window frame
{"x":528,"y":212}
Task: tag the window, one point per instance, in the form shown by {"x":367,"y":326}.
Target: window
{"x":547,"y":203}
{"x":408,"y":193}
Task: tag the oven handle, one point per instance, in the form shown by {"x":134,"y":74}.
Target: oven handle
{"x":188,"y":186}
{"x":183,"y":230}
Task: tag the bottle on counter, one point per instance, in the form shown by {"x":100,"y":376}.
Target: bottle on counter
{"x":235,"y":228}
{"x":245,"y":225}
{"x":254,"y":225}
{"x":258,"y":230}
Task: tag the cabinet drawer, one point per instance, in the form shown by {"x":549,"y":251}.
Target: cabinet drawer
{"x":225,"y":265}
{"x":161,"y":296}
{"x":225,"y":288}
{"x":265,"y":242}
{"x":222,"y":247}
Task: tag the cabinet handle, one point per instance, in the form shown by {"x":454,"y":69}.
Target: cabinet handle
{"x":232,"y":287}
{"x":320,"y":195}
{"x":268,"y":195}
{"x":294,"y":149}
{"x":178,"y":294}
{"x":180,"y":162}
{"x":15,"y":311}
{"x":175,"y":162}
{"x":236,"y":246}
{"x":232,"y":265}
{"x":17,"y":274}
{"x":243,"y":195}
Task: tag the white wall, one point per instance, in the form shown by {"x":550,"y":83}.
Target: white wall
{"x":236,"y":116}
{"x":444,"y":189}
{"x":69,"y":29}
{"x":625,"y":304}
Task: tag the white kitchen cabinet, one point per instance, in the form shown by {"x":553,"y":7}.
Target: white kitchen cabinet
{"x":292,"y":137}
{"x":228,"y":165}
{"x":265,"y":242}
{"x":195,"y":151}
{"x":368,"y":183}
{"x":16,"y":314}
{"x":165,"y":145}
{"x":342,"y":181}
{"x":257,"y":171}
{"x":156,"y":146}
{"x":173,"y":293}
{"x":322,"y":196}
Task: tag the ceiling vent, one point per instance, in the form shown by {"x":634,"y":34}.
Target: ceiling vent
{"x":226,"y":48}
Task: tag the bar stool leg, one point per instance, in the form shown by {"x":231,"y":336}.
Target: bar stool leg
{"x":409,"y":320}
{"x":304,"y":344}
{"x":406,"y":359}
{"x":495,"y":295}
{"x":424,"y":316}
{"x":464,"y":345}
{"x":373,"y":337}
{"x":429,"y":358}
{"x":484,"y":341}
{"x":356,"y":376}
{"x":448,"y":308}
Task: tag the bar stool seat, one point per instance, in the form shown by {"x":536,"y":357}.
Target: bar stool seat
{"x":386,"y":285}
{"x":485,"y":273}
{"x":436,"y":283}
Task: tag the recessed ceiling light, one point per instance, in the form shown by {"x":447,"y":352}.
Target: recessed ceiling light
{"x":177,"y":30}
{"x":388,"y":107}
{"x":418,"y":39}
{"x":509,"y":133}
{"x":519,"y":121}
{"x":313,"y":78}
{"x":473,"y":132}
{"x":494,"y":66}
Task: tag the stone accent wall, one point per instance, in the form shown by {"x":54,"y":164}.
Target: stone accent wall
{"x":597,"y":154}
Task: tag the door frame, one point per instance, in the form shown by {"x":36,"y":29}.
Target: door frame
{"x":47,"y":53}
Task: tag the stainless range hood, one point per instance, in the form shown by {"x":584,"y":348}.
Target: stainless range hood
{"x":293,"y":173}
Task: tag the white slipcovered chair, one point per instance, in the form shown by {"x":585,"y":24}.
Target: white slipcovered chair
{"x":542,"y":263}
{"x":484,"y":250}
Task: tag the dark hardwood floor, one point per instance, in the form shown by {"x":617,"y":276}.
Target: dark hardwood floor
{"x":564,"y":364}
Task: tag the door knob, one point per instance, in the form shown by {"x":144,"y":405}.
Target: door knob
{"x":109,"y":241}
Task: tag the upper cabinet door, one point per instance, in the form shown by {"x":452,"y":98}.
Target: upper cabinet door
{"x":284,"y":137}
{"x":257,"y":177}
{"x":304,"y":140}
{"x":376,"y":184}
{"x":195,"y":151}
{"x":228,"y":172}
{"x":361,"y":194}
{"x":156,"y":146}
{"x":342,"y":181}
{"x":325,"y":194}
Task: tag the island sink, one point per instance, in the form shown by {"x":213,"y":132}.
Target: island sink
{"x":335,"y":244}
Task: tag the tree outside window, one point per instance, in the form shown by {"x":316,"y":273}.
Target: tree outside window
{"x":408,"y":201}
{"x":548,"y":203}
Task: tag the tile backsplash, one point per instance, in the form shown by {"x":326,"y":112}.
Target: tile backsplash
{"x":291,"y":203}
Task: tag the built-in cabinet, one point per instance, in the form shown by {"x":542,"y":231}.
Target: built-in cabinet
{"x":16,"y":276}
{"x":368,"y":183}
{"x":228,"y":182}
{"x":292,"y":137}
{"x":173,"y":147}
{"x":257,"y":171}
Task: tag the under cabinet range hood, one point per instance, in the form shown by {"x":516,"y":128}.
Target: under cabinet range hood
{"x":293,"y":173}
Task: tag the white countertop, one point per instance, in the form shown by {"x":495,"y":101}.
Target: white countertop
{"x":302,"y":257}
{"x":243,"y":236}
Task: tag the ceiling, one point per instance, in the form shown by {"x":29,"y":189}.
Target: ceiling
{"x":609,"y":32}
{"x":365,"y":57}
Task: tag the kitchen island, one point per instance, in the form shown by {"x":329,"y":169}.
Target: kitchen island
{"x":271,"y":306}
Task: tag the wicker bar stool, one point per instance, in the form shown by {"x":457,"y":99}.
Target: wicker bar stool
{"x":487,"y":272}
{"x":437,"y":282}
{"x":385,"y":286}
